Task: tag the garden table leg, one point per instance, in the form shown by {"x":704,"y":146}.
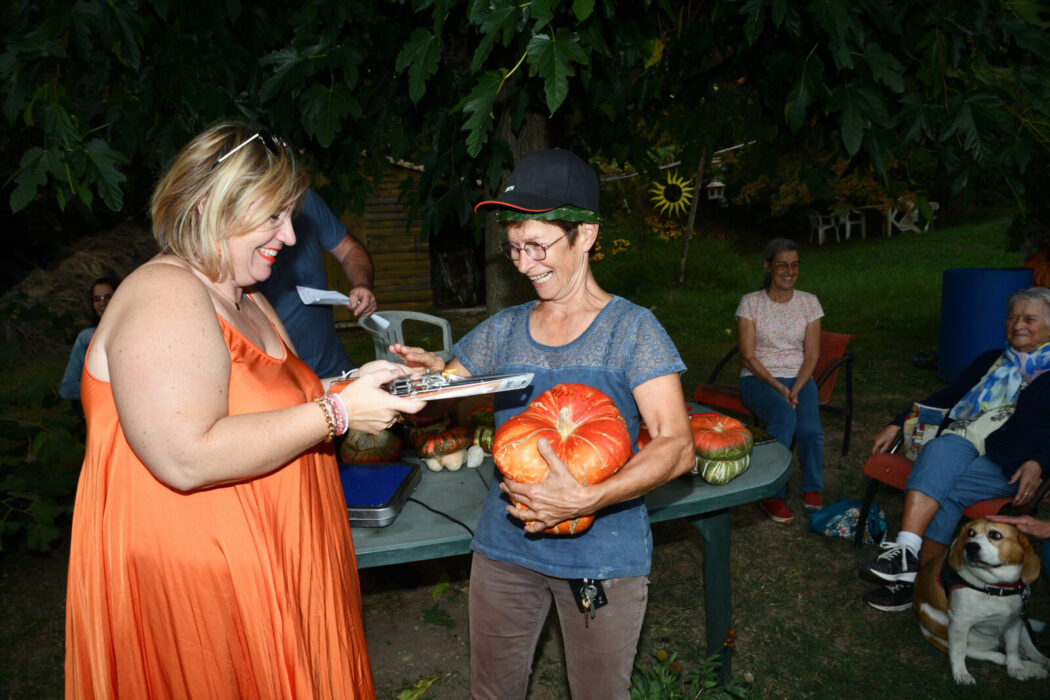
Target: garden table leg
{"x":718,"y":599}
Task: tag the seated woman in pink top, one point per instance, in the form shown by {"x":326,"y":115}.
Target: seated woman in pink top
{"x":779,"y":333}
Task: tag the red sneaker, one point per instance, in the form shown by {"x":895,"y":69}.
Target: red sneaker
{"x":811,"y":500}
{"x":777,"y":511}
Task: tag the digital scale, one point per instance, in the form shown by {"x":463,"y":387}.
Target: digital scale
{"x":375,"y":493}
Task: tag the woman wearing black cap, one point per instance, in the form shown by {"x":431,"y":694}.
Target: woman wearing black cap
{"x":575,"y":332}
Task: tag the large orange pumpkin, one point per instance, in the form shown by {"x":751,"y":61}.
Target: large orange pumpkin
{"x":720,"y":437}
{"x":585,"y":430}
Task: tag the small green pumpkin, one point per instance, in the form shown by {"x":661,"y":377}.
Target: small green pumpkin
{"x":483,"y":435}
{"x":721,"y":471}
{"x":365,"y":448}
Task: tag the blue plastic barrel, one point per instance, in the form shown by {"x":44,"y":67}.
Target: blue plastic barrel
{"x":973,"y":309}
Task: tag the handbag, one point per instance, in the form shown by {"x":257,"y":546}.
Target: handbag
{"x":839,"y":519}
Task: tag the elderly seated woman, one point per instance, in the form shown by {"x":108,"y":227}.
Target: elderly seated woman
{"x":995,"y":441}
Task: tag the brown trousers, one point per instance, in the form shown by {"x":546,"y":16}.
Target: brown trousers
{"x":508,"y":607}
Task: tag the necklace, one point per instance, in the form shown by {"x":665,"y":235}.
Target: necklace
{"x":236,"y":304}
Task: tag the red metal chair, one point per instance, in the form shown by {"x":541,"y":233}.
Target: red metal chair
{"x":833,"y":356}
{"x":893,"y":469}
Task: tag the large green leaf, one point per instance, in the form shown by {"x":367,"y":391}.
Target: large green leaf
{"x":324,"y":108}
{"x":854,"y":120}
{"x":478,"y":108}
{"x":551,"y":58}
{"x":884,"y":67}
{"x":497,"y":18}
{"x":837,"y":18}
{"x":753,"y":26}
{"x":809,"y":87}
{"x":420,"y":56}
{"x":582,"y":9}
{"x":291,"y":68}
{"x":542,"y":11}
{"x":104,"y":172}
{"x":963,"y":124}
{"x":59,"y":124}
{"x":128,"y":34}
{"x":31,"y":176}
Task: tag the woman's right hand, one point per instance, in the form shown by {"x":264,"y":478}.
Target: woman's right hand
{"x":418,"y":357}
{"x":788,"y":395}
{"x":370,"y":408}
{"x":1026,"y":524}
{"x":885,"y":438}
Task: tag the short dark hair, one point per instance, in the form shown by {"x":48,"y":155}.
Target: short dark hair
{"x":105,"y":279}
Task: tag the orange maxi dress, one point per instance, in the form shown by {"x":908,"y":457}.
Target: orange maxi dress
{"x":242,"y":591}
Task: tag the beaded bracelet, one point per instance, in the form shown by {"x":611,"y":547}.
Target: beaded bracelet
{"x":327,"y":418}
{"x":342,"y":416}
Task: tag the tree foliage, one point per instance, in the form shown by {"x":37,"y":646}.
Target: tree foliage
{"x":100,"y":94}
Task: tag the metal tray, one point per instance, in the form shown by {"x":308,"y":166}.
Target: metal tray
{"x":375,"y":493}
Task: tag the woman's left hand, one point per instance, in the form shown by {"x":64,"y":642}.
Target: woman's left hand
{"x":1027,"y":478}
{"x":418,"y":358}
{"x":559,"y":497}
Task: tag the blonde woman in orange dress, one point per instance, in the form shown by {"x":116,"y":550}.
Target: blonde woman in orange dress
{"x":211,"y":553}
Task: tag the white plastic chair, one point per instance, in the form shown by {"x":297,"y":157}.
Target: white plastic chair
{"x":819,"y":223}
{"x":383,"y":337}
{"x":907,"y":218}
{"x":851,"y":219}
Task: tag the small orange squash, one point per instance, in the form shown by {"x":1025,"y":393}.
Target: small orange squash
{"x":720,"y":437}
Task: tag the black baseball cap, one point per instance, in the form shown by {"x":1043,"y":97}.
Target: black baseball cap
{"x":547,"y":180}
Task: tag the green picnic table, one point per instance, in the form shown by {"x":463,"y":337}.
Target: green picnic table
{"x":418,"y":533}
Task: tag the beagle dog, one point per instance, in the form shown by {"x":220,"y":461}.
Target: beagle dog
{"x":971,"y":602}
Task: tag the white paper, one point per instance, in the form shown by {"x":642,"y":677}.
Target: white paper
{"x":329,"y":297}
{"x":323,"y":297}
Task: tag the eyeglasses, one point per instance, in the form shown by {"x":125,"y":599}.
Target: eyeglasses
{"x":101,"y":298}
{"x":536,"y":251}
{"x":272,"y":143}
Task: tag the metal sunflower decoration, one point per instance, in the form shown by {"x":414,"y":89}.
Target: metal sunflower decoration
{"x":673,"y":197}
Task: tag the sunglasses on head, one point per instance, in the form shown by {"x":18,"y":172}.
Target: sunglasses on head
{"x":272,"y":143}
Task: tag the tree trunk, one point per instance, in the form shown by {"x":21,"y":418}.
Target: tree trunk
{"x":503,"y":285}
{"x":697,"y":191}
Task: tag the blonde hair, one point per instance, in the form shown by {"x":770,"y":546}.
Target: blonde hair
{"x":199,"y":202}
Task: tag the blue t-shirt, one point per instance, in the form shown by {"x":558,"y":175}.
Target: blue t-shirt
{"x":624,"y":346}
{"x":311,"y":328}
{"x":70,"y":386}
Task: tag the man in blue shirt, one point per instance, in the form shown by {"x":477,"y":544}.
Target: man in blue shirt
{"x":312,"y":328}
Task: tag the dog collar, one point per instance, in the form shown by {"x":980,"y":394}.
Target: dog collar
{"x":949,"y":579}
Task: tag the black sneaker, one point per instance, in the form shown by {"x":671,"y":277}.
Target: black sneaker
{"x":890,"y":598}
{"x":897,"y":563}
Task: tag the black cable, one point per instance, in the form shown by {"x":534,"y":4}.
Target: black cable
{"x":444,"y":515}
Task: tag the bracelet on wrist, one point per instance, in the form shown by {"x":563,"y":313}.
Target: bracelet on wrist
{"x":327,"y":418}
{"x":340,"y":414}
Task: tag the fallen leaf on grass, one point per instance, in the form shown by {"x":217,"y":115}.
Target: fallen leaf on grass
{"x":441,"y":586}
{"x":416,"y":691}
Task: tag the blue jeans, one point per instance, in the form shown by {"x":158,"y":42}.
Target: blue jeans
{"x":787,"y":425}
{"x":950,"y":471}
